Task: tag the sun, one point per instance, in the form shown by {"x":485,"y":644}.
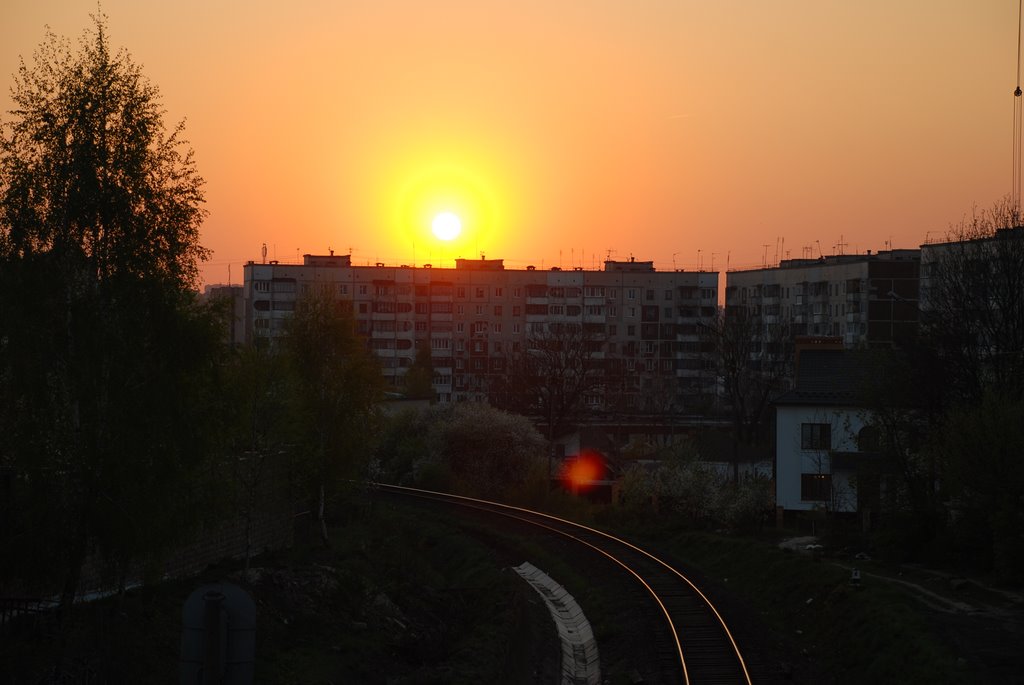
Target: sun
{"x":446,"y":226}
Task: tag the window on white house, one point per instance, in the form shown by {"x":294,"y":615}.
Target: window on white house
{"x":815,"y":487}
{"x":815,"y":436}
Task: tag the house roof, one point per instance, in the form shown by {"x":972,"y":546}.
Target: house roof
{"x":828,"y":377}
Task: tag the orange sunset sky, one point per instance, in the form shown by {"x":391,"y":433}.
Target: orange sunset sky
{"x":682,"y":131}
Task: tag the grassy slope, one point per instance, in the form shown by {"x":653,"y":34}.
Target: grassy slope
{"x":406,"y":597}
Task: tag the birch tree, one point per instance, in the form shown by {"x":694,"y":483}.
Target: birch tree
{"x":103,"y":352}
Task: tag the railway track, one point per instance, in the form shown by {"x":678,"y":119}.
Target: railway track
{"x":691,"y":642}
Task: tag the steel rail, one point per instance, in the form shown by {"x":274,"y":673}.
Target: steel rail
{"x":507,"y":509}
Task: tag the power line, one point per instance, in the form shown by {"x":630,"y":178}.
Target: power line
{"x":1017,"y":118}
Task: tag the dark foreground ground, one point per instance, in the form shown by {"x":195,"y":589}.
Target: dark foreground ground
{"x":403,"y":598}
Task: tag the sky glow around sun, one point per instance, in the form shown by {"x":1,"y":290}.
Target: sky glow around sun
{"x":697,"y":135}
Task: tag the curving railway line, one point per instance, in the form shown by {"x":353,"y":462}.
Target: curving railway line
{"x":691,"y":644}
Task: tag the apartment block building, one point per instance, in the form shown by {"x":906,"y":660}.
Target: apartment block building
{"x":640,"y":326}
{"x":867,"y":300}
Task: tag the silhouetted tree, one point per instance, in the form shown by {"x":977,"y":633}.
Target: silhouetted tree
{"x":259,"y":428}
{"x":469,"y":447}
{"x":973,"y":304}
{"x":337,"y":383}
{"x":754,"y":363}
{"x":973,"y":319}
{"x":550,"y":378}
{"x":419,"y":378}
{"x":104,"y":356}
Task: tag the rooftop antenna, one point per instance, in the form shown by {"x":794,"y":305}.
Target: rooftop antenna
{"x":727,"y":255}
{"x":1017,"y":110}
{"x":820,"y":256}
{"x":764,"y":255}
{"x":713,"y":261}
{"x":698,"y":260}
{"x":674,"y":260}
{"x":264,"y":253}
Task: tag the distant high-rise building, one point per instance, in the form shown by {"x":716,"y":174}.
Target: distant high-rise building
{"x":640,"y":329}
{"x":867,"y":300}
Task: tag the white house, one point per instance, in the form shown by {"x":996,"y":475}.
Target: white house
{"x":823,"y":444}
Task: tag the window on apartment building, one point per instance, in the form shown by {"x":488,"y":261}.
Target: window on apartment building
{"x":650,"y":294}
{"x":459,"y":365}
{"x":668,"y":295}
{"x":517,"y":292}
{"x":516,"y":346}
{"x":515,"y":328}
{"x":613,"y":311}
{"x":613,"y":330}
{"x":498,"y":347}
{"x":343,"y":289}
{"x":496,"y":327}
{"x":517,"y":311}
{"x":460,"y":345}
{"x":815,"y":436}
{"x":460,"y":327}
{"x":480,"y":292}
{"x":648,"y":347}
{"x":631,"y":312}
{"x":630,"y":294}
{"x":815,"y":487}
{"x":498,"y":292}
{"x":497,"y":310}
{"x":261,"y":286}
{"x":556,"y":310}
{"x":594,"y":310}
{"x":440,"y":343}
{"x":422,"y":308}
{"x":421,"y":326}
{"x":479,"y":310}
{"x":363,"y":307}
{"x":362,"y":290}
{"x":630,"y":365}
{"x":460,"y":292}
{"x":667,"y":311}
{"x":631,"y":331}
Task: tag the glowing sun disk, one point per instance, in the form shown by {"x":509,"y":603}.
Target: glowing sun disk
{"x":446,"y":226}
